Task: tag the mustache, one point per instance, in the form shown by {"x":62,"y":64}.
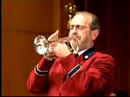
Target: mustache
{"x":77,"y":37}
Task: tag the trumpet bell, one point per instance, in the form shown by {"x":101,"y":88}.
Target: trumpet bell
{"x":40,"y":45}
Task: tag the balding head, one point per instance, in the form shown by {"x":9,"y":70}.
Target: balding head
{"x":90,"y":18}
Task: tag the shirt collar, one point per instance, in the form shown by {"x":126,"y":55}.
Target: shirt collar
{"x":81,"y":52}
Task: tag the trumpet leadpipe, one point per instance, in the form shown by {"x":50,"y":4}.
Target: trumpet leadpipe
{"x":65,"y":39}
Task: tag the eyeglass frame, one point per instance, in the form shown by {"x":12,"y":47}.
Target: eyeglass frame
{"x":79,"y":27}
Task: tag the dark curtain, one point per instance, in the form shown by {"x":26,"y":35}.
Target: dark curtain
{"x":113,"y":39}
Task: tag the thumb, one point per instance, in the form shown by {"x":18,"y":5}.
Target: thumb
{"x":54,"y":36}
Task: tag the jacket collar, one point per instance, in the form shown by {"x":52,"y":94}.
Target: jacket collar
{"x":88,"y":53}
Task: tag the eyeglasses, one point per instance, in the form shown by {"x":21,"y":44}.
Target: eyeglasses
{"x":78,"y":27}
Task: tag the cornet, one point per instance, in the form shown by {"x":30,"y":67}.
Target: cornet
{"x":41,"y":45}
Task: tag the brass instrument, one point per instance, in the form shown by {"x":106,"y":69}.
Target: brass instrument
{"x":41,"y":45}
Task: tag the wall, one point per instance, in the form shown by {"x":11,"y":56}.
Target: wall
{"x":22,"y":20}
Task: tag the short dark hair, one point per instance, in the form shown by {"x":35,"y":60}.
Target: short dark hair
{"x":95,"y":23}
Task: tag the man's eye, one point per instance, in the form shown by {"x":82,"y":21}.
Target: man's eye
{"x":71,"y":27}
{"x":80,"y":27}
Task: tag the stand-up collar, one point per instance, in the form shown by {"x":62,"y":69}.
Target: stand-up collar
{"x":88,"y":53}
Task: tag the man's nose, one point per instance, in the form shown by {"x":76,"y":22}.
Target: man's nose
{"x":74,"y":32}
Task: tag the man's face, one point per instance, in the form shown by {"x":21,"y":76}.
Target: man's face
{"x":79,"y":28}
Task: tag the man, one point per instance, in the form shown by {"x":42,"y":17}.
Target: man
{"x":89,"y":73}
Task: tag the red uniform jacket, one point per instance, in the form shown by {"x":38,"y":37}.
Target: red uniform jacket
{"x":87,"y":75}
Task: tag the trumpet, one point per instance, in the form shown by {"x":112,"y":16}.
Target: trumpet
{"x":41,"y":45}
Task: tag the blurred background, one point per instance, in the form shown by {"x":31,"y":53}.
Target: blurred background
{"x":23,"y":20}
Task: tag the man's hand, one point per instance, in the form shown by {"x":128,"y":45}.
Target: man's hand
{"x":57,"y":48}
{"x":61,"y":50}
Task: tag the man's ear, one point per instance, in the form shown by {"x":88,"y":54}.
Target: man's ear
{"x":95,"y":33}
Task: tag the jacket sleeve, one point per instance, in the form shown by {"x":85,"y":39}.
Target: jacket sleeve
{"x":37,"y":82}
{"x":94,"y":79}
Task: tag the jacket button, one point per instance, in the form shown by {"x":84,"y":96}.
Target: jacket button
{"x":86,"y":57}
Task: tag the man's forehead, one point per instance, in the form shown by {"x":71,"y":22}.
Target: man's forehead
{"x":81,"y":19}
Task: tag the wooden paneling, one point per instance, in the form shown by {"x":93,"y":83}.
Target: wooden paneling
{"x":27,"y":15}
{"x":18,"y":58}
{"x":22,"y":21}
